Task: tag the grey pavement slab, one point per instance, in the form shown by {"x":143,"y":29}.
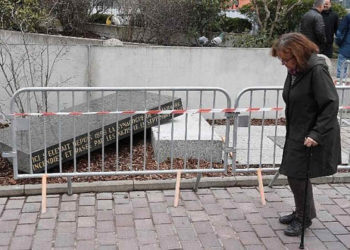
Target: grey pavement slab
{"x":212,"y":218}
{"x":199,"y":142}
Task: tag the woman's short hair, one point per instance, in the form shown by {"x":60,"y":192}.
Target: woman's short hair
{"x":296,"y":44}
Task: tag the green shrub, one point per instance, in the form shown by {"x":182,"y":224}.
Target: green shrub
{"x":205,"y":18}
{"x":26,"y":15}
{"x":98,"y":18}
{"x":164,"y":20}
{"x":245,"y":40}
{"x":73,"y":14}
{"x":235,"y":25}
{"x":339,"y":9}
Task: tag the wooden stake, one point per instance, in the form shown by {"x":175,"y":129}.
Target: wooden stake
{"x":177,"y":188}
{"x":223,"y":140}
{"x":43,"y":193}
{"x":261,"y":187}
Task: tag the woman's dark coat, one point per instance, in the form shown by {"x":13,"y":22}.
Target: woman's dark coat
{"x":311,"y":110}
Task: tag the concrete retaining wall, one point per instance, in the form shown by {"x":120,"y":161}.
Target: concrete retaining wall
{"x":14,"y":37}
{"x":96,"y":65}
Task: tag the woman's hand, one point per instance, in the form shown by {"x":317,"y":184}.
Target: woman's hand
{"x":309,"y":142}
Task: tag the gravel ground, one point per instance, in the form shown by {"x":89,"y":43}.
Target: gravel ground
{"x":6,"y":172}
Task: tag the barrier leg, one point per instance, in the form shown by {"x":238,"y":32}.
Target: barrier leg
{"x":43,"y":193}
{"x":275,"y":177}
{"x":261,"y":187}
{"x":195,"y":188}
{"x":177,"y":188}
{"x":69,"y":183}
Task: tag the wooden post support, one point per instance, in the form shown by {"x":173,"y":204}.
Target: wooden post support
{"x":261,"y":187}
{"x":43,"y":193}
{"x":177,"y":188}
{"x":223,"y":138}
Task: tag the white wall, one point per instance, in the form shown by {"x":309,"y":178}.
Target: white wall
{"x":15,"y":37}
{"x":230,"y":68}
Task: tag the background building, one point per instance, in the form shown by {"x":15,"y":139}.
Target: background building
{"x":345,"y":3}
{"x":239,"y":2}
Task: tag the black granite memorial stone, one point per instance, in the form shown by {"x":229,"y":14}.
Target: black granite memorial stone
{"x":76,"y":135}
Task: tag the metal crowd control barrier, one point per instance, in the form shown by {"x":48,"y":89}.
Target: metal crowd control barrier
{"x":258,"y":144}
{"x":252,"y":144}
{"x":261,"y":146}
{"x":66,"y":122}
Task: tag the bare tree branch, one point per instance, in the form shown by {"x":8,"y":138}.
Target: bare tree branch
{"x":257,"y":11}
{"x":277,"y":15}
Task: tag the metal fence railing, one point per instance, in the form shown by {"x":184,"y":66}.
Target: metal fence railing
{"x":259,"y":146}
{"x":260,"y":143}
{"x":54,"y":131}
{"x":51,"y":126}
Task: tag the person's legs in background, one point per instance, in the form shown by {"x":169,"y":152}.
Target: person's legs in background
{"x":341,"y":73}
{"x":328,"y":50}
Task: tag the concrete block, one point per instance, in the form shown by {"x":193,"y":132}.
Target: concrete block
{"x":103,"y":186}
{"x":341,"y":178}
{"x":81,"y":187}
{"x":246,"y":181}
{"x":282,"y":180}
{"x":55,"y":188}
{"x":225,"y":181}
{"x":14,"y":190}
{"x":322,"y":180}
{"x":32,"y":189}
{"x":205,"y":145}
{"x":155,"y":184}
{"x":205,"y":182}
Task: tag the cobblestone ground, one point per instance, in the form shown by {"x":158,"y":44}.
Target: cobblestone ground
{"x":217,"y":218}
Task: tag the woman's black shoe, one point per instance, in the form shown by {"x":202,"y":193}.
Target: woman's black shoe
{"x":287,"y":219}
{"x":295,"y":227}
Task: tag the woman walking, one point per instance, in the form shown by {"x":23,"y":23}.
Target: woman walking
{"x":311,"y":122}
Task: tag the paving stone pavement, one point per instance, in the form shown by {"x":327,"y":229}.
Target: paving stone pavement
{"x":215,"y":218}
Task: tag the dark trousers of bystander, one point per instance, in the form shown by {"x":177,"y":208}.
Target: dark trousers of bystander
{"x":327,"y":50}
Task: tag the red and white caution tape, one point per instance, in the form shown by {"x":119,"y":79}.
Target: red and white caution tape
{"x":344,"y":107}
{"x":160,"y":112}
{"x":151,"y":112}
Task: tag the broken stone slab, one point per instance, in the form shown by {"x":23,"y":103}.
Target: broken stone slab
{"x":76,"y":135}
{"x":206,"y":145}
